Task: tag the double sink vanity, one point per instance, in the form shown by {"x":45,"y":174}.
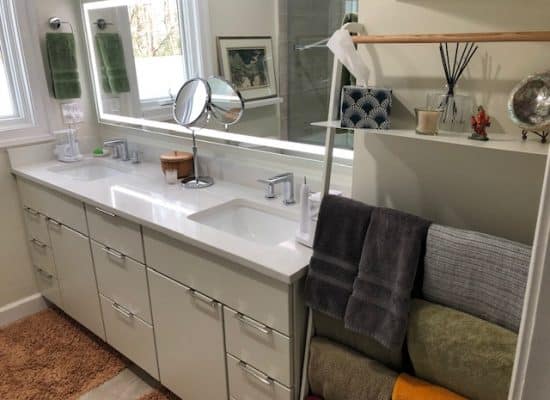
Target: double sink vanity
{"x":201,"y":289}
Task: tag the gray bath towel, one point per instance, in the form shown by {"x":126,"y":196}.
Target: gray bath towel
{"x":380,"y":302}
{"x":479,"y":274}
{"x":337,"y":249}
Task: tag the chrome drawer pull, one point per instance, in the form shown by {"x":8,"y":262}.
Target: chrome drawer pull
{"x":38,"y":243}
{"x":122,"y":310}
{"x":32,"y":212}
{"x":114,"y":253}
{"x":45,"y":274}
{"x":253,"y":324}
{"x":256,"y":374}
{"x":54,"y":223}
{"x":110,"y":214}
{"x":203,"y":298}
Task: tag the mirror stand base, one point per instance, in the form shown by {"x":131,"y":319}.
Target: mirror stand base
{"x":201,"y":182}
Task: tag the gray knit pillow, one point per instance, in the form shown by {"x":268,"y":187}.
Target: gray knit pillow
{"x":479,"y":274}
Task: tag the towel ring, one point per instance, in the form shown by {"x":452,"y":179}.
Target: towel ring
{"x":102,"y":24}
{"x":56,"y":23}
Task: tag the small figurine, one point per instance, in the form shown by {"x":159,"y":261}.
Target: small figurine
{"x":480,"y":122}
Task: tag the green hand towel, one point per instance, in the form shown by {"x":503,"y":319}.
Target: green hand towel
{"x":112,"y":64}
{"x":61,"y":52}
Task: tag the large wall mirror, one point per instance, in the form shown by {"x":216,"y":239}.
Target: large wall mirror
{"x":142,"y":51}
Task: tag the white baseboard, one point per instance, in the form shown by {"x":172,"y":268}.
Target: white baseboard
{"x":21,"y":309}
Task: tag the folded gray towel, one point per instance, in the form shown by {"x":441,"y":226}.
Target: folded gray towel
{"x":337,"y":249}
{"x":476,"y":273}
{"x":380,"y":302}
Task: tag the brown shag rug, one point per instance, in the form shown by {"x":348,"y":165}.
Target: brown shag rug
{"x":49,"y":357}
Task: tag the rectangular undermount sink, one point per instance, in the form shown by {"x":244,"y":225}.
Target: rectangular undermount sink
{"x":88,"y":170}
{"x":247,"y":220}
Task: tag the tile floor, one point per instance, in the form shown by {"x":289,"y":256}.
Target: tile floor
{"x":130,"y":384}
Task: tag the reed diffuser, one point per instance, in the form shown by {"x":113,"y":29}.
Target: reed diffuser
{"x":456,"y":109}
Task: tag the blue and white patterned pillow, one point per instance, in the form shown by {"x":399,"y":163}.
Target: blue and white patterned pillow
{"x":366,"y":108}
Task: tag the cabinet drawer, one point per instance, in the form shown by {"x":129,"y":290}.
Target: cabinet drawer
{"x":129,"y":335}
{"x":248,"y":383}
{"x":117,"y":233}
{"x":258,"y":345}
{"x":42,"y":256}
{"x":37,"y":227}
{"x":48,"y":286}
{"x":246,"y":291}
{"x":57,"y":206}
{"x":122,"y":280}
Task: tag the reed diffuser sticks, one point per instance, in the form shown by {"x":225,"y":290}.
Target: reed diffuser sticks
{"x":454,"y":66}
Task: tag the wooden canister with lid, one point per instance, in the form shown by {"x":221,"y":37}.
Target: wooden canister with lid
{"x":177,"y":160}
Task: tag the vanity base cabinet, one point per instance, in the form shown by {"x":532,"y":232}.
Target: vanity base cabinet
{"x":190,"y":340}
{"x":76,"y":276}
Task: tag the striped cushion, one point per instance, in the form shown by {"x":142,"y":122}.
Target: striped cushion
{"x":479,"y":274}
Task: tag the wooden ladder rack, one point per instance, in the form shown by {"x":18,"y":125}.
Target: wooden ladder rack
{"x":487,"y":37}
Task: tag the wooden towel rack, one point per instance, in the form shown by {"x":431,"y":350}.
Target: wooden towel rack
{"x":540,"y":36}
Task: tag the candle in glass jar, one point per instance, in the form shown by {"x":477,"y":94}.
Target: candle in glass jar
{"x":427,"y":121}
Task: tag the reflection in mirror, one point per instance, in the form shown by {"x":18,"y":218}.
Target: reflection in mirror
{"x":192,"y":101}
{"x":149,"y":48}
{"x":226,"y":104}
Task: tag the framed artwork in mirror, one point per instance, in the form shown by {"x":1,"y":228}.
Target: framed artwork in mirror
{"x":248,"y":63}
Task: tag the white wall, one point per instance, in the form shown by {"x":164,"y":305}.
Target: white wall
{"x":489,"y":191}
{"x":16,"y":278}
{"x":414,"y":70}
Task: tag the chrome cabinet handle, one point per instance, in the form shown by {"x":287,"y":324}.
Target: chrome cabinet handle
{"x":45,"y":274}
{"x":38,"y":243}
{"x":114,"y":253}
{"x":32,"y":212}
{"x":108,"y":213}
{"x":253,"y":324}
{"x":203,"y":298}
{"x":265,"y":379}
{"x":123,"y":310}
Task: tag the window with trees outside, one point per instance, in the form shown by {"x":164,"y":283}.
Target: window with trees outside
{"x":157,"y":45}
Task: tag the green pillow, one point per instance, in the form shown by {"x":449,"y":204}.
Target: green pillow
{"x":463,"y":353}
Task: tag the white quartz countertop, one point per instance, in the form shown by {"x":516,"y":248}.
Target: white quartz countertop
{"x":140,"y":194}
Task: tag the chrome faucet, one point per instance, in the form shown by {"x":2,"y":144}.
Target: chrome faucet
{"x":119,"y":147}
{"x":287,"y":180}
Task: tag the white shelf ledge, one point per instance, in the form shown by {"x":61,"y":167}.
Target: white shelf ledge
{"x":502,"y":142}
{"x":263,"y":102}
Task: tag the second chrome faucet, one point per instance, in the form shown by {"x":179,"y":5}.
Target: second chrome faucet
{"x":287,"y":180}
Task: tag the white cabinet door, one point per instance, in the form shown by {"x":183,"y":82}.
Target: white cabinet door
{"x":190,"y":344}
{"x":76,"y":276}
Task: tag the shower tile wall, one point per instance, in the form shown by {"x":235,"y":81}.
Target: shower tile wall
{"x":309,"y":71}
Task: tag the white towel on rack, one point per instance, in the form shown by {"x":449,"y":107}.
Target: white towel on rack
{"x":341,"y":44}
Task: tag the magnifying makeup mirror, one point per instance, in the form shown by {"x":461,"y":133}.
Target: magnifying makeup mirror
{"x":226,"y":103}
{"x":197,"y":100}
